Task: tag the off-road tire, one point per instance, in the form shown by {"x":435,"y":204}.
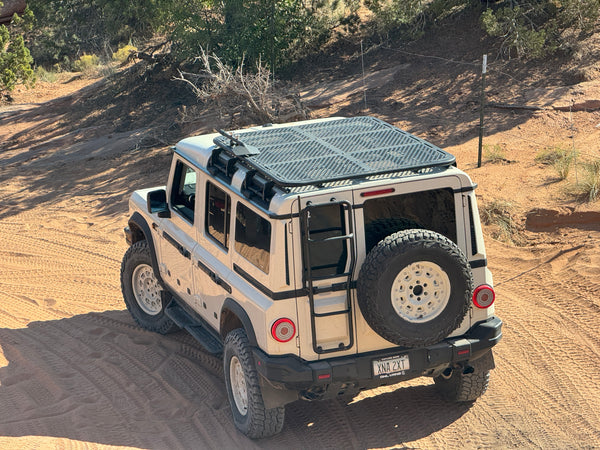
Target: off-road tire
{"x":256,"y":421}
{"x":404,"y":321}
{"x":379,"y":229}
{"x":466,"y":387}
{"x":138,"y":257}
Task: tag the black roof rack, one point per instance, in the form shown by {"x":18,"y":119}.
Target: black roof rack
{"x":320,"y":152}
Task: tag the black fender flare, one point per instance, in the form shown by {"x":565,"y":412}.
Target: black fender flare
{"x":140,"y":222}
{"x":231,"y":305}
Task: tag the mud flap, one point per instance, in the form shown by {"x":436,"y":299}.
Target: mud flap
{"x":274,"y":396}
{"x":483,"y":363}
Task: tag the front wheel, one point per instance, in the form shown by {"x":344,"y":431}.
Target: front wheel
{"x":250,"y":415}
{"x":144,"y":297}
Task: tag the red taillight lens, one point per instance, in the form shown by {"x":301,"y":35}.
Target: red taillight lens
{"x":484,"y":296}
{"x":283,"y":330}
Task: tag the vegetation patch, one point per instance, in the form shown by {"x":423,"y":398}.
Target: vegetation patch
{"x":123,"y":54}
{"x":588,"y":188}
{"x":86,"y":63}
{"x":498,"y":214}
{"x":494,"y":153}
{"x":245,"y":96}
{"x":561,"y":159}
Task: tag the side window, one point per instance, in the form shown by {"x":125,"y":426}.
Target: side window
{"x":218,"y":207}
{"x":183,"y":192}
{"x":252,"y":237}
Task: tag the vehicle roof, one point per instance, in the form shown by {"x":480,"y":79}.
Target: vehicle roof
{"x":321,"y":151}
{"x":270,"y":163}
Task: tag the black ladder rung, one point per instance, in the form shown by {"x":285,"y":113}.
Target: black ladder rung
{"x":333,"y":238}
{"x":325,"y":230}
{"x":332,"y":313}
{"x":330,"y":277}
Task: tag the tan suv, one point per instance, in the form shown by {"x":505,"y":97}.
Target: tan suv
{"x":320,"y":258}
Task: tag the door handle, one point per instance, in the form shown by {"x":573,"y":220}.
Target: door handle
{"x":180,"y":248}
{"x":214,"y":277}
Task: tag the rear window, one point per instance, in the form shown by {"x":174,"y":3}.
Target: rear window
{"x":432,"y":210}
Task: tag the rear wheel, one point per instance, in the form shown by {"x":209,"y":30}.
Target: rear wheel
{"x":250,"y":415}
{"x":143,"y":294}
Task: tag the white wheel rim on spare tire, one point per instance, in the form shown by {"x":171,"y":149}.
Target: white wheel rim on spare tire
{"x":238,"y":385}
{"x":146,"y":290}
{"x":420,"y":292}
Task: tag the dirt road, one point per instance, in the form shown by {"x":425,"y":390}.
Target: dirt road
{"x":76,"y":372}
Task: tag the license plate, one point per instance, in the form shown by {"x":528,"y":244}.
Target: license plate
{"x":393,"y":365}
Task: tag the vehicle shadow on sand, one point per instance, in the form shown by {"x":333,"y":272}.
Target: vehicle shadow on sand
{"x":98,"y":378}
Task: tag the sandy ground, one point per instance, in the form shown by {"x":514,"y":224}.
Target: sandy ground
{"x":75,"y":371}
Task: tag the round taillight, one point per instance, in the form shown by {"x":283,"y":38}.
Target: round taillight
{"x":484,"y":296}
{"x":283,"y":330}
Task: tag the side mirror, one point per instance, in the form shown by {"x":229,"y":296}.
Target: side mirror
{"x":157,"y":203}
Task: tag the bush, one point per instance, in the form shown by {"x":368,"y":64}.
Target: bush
{"x":46,"y":76}
{"x":123,"y":53}
{"x":15,"y":59}
{"x":86,"y":63}
{"x":251,"y":96}
{"x":532,"y":29}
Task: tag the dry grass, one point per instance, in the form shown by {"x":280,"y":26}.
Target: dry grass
{"x":498,"y":214}
{"x":494,"y":153}
{"x":588,"y":188}
{"x":561,"y":159}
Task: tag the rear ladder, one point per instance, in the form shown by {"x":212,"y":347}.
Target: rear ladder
{"x":308,"y":242}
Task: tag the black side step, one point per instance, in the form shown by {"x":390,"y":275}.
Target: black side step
{"x":195,"y":326}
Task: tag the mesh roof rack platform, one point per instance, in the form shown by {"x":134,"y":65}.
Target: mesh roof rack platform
{"x":333,"y":150}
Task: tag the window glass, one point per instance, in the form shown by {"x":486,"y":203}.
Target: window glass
{"x":218,"y":207}
{"x":253,"y":237}
{"x":327,"y":258}
{"x":183,"y":192}
{"x":432,"y":210}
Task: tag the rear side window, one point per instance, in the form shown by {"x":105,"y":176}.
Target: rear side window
{"x":326,"y":258}
{"x":252,"y":237}
{"x":183,"y":191}
{"x":218,"y":207}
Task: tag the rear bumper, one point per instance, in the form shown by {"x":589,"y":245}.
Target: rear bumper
{"x":293,"y":373}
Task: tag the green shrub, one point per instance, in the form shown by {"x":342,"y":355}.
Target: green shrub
{"x":123,"y":53}
{"x":48,"y":76}
{"x":15,"y":58}
{"x":86,"y":63}
{"x":535,"y":28}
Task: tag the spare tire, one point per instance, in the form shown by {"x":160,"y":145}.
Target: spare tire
{"x":415,"y":287}
{"x":378,"y":229}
